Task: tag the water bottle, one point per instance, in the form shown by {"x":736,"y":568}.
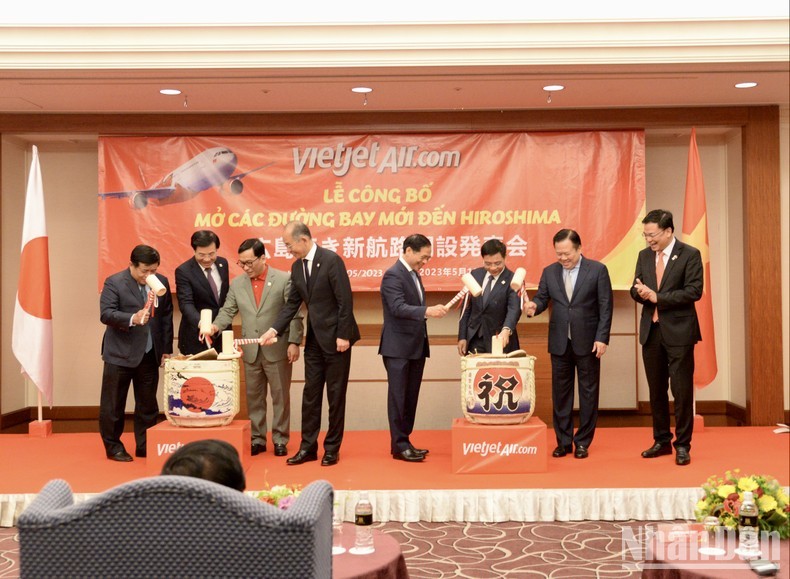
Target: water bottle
{"x":337,"y":530}
{"x":748,"y":528}
{"x":363,"y":519}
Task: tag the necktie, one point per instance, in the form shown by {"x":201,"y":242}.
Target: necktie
{"x":568,"y":284}
{"x":659,"y":275}
{"x":416,"y":277}
{"x":306,"y":264}
{"x":148,"y":342}
{"x":487,"y":290}
{"x":569,"y":293}
{"x":212,"y":284}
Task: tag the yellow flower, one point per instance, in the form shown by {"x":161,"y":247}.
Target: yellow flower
{"x":725,"y":490}
{"x":766,"y":503}
{"x":781,"y":496}
{"x":746,"y":483}
{"x":702,"y":505}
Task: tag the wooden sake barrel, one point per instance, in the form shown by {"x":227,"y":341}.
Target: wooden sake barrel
{"x":498,"y":390}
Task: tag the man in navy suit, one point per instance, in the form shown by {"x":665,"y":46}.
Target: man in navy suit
{"x":496,"y":311}
{"x":201,"y":284}
{"x":668,"y":280}
{"x":319,"y":279}
{"x":404,"y":342}
{"x":136,"y":342}
{"x":581,"y":319}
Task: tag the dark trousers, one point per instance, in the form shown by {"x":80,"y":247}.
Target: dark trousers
{"x":404,"y":378}
{"x":564,"y":370}
{"x":112,"y":404}
{"x":670,"y":368}
{"x":331,"y":369}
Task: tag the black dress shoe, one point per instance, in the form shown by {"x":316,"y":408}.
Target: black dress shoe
{"x":301,"y":457}
{"x":257,"y":449}
{"x":422,"y":451}
{"x":330,"y":458}
{"x":682,"y":457}
{"x":657,"y":449}
{"x":408,"y":455}
{"x":581,"y":452}
{"x":561,"y":451}
{"x":280,"y":450}
{"x":121,"y":456}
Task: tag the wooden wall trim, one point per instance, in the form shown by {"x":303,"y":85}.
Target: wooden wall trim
{"x":762,"y":276}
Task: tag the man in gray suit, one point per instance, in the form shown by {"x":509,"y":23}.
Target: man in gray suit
{"x":581,"y":319}
{"x":259,"y":296}
{"x":136,"y":342}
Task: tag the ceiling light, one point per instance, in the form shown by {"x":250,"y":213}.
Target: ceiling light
{"x":746,"y":85}
{"x":170,"y":91}
{"x":553,"y":87}
{"x":361,"y":89}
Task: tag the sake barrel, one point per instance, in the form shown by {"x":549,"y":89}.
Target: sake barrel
{"x":201,"y":393}
{"x":498,"y":390}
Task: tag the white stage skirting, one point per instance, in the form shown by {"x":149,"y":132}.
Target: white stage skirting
{"x":488,"y":505}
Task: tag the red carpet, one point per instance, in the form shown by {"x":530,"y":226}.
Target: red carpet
{"x":27,"y":463}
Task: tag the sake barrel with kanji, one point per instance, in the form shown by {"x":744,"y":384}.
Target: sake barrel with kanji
{"x":498,"y":390}
{"x":201,"y":393}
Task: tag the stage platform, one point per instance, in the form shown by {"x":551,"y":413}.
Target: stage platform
{"x":614,"y":483}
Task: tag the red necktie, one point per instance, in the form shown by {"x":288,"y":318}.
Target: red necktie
{"x":659,"y":275}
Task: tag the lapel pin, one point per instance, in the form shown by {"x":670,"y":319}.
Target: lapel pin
{"x":674,"y":257}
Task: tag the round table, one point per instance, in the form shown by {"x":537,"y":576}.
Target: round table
{"x":386,"y":562}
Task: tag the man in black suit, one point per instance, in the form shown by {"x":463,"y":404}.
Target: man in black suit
{"x":201,"y":284}
{"x":496,"y":311}
{"x":581,"y":319}
{"x":668,"y":280}
{"x":319,"y":280}
{"x":404,"y":342}
{"x":136,"y":342}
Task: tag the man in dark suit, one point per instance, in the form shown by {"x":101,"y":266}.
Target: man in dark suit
{"x":404,"y":342}
{"x":496,"y":311}
{"x":319,"y":280}
{"x":581,"y":319}
{"x":668,"y":280}
{"x":136,"y":342}
{"x":201,"y":284}
{"x":258,"y":295}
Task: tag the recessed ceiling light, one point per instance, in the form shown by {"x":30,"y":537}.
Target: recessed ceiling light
{"x":361,"y":89}
{"x":553,"y":87}
{"x":746,"y":85}
{"x":170,"y":91}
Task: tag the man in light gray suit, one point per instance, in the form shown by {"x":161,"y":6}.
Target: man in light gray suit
{"x":259,"y":296}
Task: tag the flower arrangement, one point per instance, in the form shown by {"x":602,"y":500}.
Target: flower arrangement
{"x":723,"y":497}
{"x":281,"y":496}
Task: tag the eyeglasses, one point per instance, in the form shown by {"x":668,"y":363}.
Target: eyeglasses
{"x":246,"y":264}
{"x":653,"y":235}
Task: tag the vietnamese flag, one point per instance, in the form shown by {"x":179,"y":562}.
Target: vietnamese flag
{"x":695,"y":232}
{"x":32,"y":331}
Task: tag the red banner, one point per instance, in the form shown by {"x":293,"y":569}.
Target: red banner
{"x":362,"y":194}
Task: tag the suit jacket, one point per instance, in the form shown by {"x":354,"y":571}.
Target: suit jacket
{"x":330,"y":304}
{"x":404,"y":333}
{"x":681,"y":286}
{"x":502,"y":309}
{"x":255,"y":319}
{"x":122,"y":344}
{"x":194,"y":294}
{"x":589,"y":311}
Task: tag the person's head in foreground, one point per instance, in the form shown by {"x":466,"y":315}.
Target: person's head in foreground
{"x":214,"y":460}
